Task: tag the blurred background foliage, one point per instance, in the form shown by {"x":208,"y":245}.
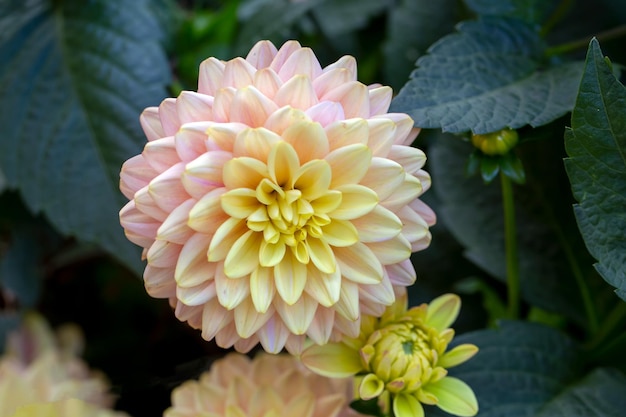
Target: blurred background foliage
{"x":75,"y":74}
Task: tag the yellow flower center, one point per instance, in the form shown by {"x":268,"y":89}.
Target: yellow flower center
{"x":288,"y":211}
{"x":402,"y":357}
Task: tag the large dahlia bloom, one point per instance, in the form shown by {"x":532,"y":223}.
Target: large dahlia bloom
{"x":268,"y":385}
{"x":42,"y":372}
{"x":279,"y":201}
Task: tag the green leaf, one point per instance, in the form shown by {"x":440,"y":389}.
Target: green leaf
{"x":596,"y":145}
{"x":269,"y":19}
{"x":473,"y":213}
{"x":600,"y":394}
{"x":337,"y":17}
{"x":425,"y":21}
{"x":527,"y":369}
{"x":487,"y":77}
{"x":531,"y":11}
{"x":79,"y":75}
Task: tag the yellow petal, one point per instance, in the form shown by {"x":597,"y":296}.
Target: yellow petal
{"x":313,"y":179}
{"x":282,"y":163}
{"x":271,"y":254}
{"x":230,"y":292}
{"x":349,"y":164}
{"x":297,"y":92}
{"x":408,"y":191}
{"x":308,"y":140}
{"x":377,"y":225}
{"x":411,"y":159}
{"x":244,"y":172}
{"x":262,"y":288}
{"x":359,"y":264}
{"x":381,"y":134}
{"x":347,"y":132}
{"x":240,"y":202}
{"x":243,"y":256}
{"x":327,"y":203}
{"x":321,"y":255}
{"x":391,"y":251}
{"x":299,"y":315}
{"x":340,"y":233}
{"x":356,"y":201}
{"x":325,"y":288}
{"x":454,"y":396}
{"x":348,"y":304}
{"x":248,"y":320}
{"x":370,"y":387}
{"x":406,"y":405}
{"x":255,"y":143}
{"x":334,"y":360}
{"x":290,"y":278}
{"x":443,"y":310}
{"x":207,"y":215}
{"x":225,"y":236}
{"x":458,"y":355}
{"x":384,"y":176}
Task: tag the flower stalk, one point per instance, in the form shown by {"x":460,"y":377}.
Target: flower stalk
{"x":510,"y":245}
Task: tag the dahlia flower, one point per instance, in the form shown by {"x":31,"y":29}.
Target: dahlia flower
{"x":65,"y":408}
{"x":403,"y":355}
{"x":277,"y":202}
{"x":268,"y":385}
{"x":38,"y":368}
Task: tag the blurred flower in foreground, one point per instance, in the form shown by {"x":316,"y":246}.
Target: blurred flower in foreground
{"x":38,"y":368}
{"x":268,"y":385}
{"x":403,"y":354}
{"x":65,"y":408}
{"x":277,"y":202}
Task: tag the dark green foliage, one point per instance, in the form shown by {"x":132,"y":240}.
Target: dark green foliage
{"x":596,"y":145}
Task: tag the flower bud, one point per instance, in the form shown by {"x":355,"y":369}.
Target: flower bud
{"x":496,"y":143}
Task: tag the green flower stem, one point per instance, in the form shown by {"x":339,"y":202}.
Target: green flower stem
{"x":585,"y":293}
{"x":557,"y":16}
{"x":615,"y":319}
{"x":510,"y":245}
{"x":582,"y":43}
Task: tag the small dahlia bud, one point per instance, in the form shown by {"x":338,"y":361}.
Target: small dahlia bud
{"x":496,"y":143}
{"x":404,"y":354}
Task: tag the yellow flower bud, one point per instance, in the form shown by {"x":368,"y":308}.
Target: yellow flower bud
{"x":496,"y":143}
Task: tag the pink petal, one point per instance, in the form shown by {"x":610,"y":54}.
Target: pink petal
{"x":161,"y":153}
{"x":159,"y":282}
{"x":230,"y":292}
{"x":248,"y":320}
{"x":402,"y":274}
{"x":348,"y":62}
{"x":238,"y":73}
{"x":273,"y":335}
{"x":167,"y":189}
{"x":204,"y":174}
{"x":210,"y":77}
{"x":163,"y":254}
{"x":267,"y":82}
{"x":298,"y":316}
{"x":262,"y":54}
{"x":326,"y":112}
{"x":331,"y":79}
{"x":169,"y":116}
{"x":301,"y":62}
{"x":146,"y":204}
{"x":136,"y":173}
{"x":207,"y":214}
{"x":380,"y":99}
{"x":251,"y":107}
{"x":354,"y":98}
{"x":174,"y":228}
{"x":151,"y":123}
{"x":194,"y":107}
{"x":296,"y":92}
{"x":195,"y":296}
{"x":214,"y":318}
{"x":139,"y":227}
{"x":221,"y":104}
{"x":381,"y":135}
{"x":283,"y":54}
{"x":412,"y":159}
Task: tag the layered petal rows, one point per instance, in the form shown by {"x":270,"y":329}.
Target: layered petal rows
{"x":279,"y":201}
